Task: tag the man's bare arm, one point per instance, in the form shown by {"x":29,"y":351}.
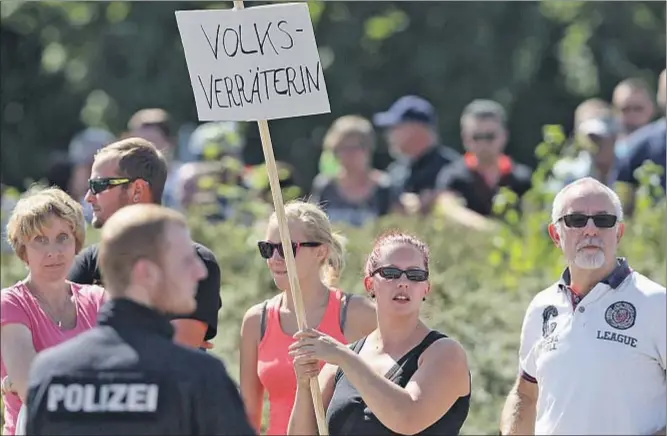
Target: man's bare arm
{"x":518,"y":415}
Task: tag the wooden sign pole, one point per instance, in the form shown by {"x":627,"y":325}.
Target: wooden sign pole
{"x":276,"y":193}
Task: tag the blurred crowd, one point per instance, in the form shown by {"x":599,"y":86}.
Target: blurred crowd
{"x":610,"y":141}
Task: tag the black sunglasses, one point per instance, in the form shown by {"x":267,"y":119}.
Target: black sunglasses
{"x":477,"y":137}
{"x":579,"y":220}
{"x":266,"y":248}
{"x":391,"y":272}
{"x":101,"y":184}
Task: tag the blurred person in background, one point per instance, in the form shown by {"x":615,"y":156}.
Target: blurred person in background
{"x":153,"y":124}
{"x":133,"y":171}
{"x":595,"y":137}
{"x":467,"y":189}
{"x":358,"y":193}
{"x":46,"y":230}
{"x":633,"y":101}
{"x":81,"y":151}
{"x":403,"y":377}
{"x":59,"y":171}
{"x":411,"y":131}
{"x":214,"y":182}
{"x":268,"y":327}
{"x":645,"y":144}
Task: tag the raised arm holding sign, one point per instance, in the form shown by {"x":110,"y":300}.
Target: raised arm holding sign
{"x":254,"y":65}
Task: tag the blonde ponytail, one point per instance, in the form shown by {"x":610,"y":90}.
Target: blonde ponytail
{"x":333,"y":267}
{"x":317,"y":228}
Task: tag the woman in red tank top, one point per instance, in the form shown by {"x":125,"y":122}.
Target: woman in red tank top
{"x":268,"y":327}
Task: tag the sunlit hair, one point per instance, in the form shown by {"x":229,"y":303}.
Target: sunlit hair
{"x":138,"y":158}
{"x":317,"y":228}
{"x":594,"y":186}
{"x":133,"y":233}
{"x":33,"y":211}
{"x":349,"y":126}
{"x":394,"y":237}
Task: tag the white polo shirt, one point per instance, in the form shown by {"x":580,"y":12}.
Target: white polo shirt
{"x":599,"y":368}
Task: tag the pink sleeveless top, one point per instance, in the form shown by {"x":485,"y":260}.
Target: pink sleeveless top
{"x":274,"y":364}
{"x":20,"y":307}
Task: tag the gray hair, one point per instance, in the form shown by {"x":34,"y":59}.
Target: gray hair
{"x":598,"y":187}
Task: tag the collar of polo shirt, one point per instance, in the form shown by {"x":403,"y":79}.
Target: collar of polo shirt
{"x":614,"y":279}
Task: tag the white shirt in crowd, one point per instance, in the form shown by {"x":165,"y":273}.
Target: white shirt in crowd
{"x":599,"y":367}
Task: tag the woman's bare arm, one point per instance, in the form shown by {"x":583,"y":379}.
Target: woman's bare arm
{"x":252,"y":390}
{"x":18,"y":353}
{"x":302,"y":420}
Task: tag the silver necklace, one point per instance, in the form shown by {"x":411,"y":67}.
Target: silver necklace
{"x":47,"y":309}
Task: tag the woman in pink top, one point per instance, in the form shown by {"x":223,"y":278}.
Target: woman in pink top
{"x":268,"y":327}
{"x":46,"y":230}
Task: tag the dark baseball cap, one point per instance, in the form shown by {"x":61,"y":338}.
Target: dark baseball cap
{"x":409,"y":108}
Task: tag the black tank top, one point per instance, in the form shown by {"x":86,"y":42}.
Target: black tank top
{"x":348,"y":414}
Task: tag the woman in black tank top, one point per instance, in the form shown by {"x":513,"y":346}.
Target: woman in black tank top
{"x":403,"y":378}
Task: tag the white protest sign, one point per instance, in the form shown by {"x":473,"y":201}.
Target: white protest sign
{"x":253,"y":64}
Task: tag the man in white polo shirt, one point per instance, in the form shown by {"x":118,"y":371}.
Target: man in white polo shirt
{"x":592,"y":353}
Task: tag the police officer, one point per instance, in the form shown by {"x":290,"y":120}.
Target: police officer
{"x":126,"y":375}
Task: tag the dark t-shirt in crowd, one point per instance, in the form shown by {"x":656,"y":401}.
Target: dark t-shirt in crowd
{"x":339,"y":209}
{"x":420,"y":174}
{"x":461,"y":178}
{"x":86,"y":271}
{"x":648,"y":143}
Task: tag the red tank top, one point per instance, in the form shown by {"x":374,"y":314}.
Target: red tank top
{"x":274,"y":364}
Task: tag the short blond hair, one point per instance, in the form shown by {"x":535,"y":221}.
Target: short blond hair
{"x":35,"y":208}
{"x":138,"y":158}
{"x":317,"y":227}
{"x":350,"y":126}
{"x":133,"y":233}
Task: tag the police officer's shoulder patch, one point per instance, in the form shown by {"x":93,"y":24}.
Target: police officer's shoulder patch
{"x":621,"y":315}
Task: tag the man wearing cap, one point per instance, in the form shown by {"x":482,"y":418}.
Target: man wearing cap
{"x":596,"y":133}
{"x":592,"y":354}
{"x":410,"y":125}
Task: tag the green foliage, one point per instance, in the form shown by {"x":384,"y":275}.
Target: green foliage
{"x":481,"y":282}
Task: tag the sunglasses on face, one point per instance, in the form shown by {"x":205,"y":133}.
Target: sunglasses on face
{"x":488,"y":137}
{"x":391,"y":272}
{"x":579,"y":220}
{"x":267,"y":248}
{"x":101,"y":184}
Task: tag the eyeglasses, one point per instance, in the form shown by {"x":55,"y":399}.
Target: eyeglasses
{"x":579,"y":220}
{"x":391,"y":272}
{"x":267,"y":248}
{"x":101,"y":184}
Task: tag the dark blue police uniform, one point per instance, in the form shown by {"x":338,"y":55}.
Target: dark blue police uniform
{"x":126,"y":376}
